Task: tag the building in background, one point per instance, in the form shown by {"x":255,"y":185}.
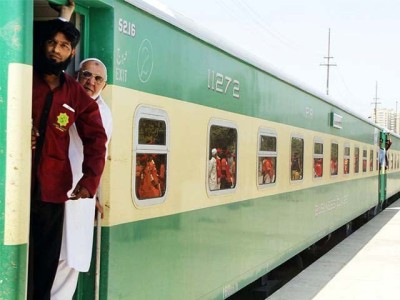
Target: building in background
{"x":387,"y":118}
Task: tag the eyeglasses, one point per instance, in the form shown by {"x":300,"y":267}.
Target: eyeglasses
{"x":87,"y":74}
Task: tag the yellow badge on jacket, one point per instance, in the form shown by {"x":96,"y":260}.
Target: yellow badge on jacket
{"x":62,"y":119}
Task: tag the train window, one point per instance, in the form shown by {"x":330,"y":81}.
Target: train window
{"x":151,"y":136}
{"x":364,"y":162}
{"x":318,"y":159}
{"x":371,"y":160}
{"x":297,"y":158}
{"x":222,"y":156}
{"x":267,"y":156}
{"x":346,"y":160}
{"x":356,"y":159}
{"x":391,"y":161}
{"x":334,"y":158}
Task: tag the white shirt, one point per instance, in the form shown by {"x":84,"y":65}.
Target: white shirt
{"x":79,"y":215}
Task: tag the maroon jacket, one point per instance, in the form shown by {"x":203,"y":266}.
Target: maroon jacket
{"x":70,"y":104}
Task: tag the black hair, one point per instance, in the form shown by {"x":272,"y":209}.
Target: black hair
{"x":67,"y":28}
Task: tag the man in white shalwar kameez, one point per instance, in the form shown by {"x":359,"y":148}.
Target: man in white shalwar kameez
{"x":77,"y":241}
{"x":212,"y":171}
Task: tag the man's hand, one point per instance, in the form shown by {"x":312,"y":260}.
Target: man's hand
{"x":65,"y":11}
{"x":34,"y":136}
{"x":79,"y":192}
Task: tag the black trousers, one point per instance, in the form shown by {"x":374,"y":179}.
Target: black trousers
{"x":46,"y":228}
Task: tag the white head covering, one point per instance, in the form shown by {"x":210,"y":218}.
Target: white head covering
{"x":213,"y":151}
{"x":97,"y":60}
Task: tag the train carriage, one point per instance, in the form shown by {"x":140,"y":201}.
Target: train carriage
{"x":300,"y":165}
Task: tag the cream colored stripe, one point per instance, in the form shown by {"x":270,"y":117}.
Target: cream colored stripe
{"x":18,"y":157}
{"x":188,"y":157}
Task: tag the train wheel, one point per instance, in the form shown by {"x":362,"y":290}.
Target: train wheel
{"x":348,"y":228}
{"x":373,"y":212}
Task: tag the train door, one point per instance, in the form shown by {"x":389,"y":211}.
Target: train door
{"x":383,"y":166}
{"x":42,"y":12}
{"x":15,"y":145}
{"x":95,"y":41}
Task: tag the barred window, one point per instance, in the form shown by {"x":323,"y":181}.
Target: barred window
{"x":318,"y":159}
{"x":267,"y":157}
{"x":346,"y":160}
{"x":356,"y":159}
{"x":371,"y":160}
{"x":364,"y":162}
{"x":222,"y":160}
{"x":334,"y":158}
{"x":297,"y":158}
{"x":151,"y":156}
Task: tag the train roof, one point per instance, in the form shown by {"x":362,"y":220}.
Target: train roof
{"x":186,"y":24}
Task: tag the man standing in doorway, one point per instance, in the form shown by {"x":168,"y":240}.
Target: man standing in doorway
{"x":58,"y":101}
{"x":76,"y":249}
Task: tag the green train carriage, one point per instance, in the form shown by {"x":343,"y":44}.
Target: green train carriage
{"x":175,"y":93}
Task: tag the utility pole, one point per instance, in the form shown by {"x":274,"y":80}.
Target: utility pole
{"x":328,"y":64}
{"x":376,"y":102}
{"x":396,"y":128}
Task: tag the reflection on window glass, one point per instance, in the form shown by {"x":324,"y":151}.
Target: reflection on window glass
{"x":364,"y":162}
{"x":334,"y":158}
{"x":318,"y":159}
{"x":222,"y":162}
{"x":297,"y":157}
{"x":356,"y":159}
{"x":346,"y":160}
{"x":371,"y":160}
{"x":151,"y":159}
{"x":152,"y":132}
{"x":267,"y":159}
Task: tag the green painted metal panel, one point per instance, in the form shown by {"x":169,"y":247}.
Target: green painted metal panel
{"x":16,"y":47}
{"x":205,"y":253}
{"x":156,"y":57}
{"x":86,"y":3}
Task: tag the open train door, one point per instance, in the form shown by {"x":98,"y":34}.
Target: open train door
{"x":94,"y":19}
{"x":383,"y":165}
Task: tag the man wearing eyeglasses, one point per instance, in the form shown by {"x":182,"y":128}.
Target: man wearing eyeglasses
{"x":77,"y":240}
{"x":58,"y":102}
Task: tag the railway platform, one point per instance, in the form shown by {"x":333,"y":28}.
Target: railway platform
{"x":366,"y":265}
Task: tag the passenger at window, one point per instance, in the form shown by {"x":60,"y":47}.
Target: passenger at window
{"x":212,"y":171}
{"x":226,"y":176}
{"x":318,"y":168}
{"x":232,"y":166}
{"x":268,"y":171}
{"x":346,"y":166}
{"x":334,"y":167}
{"x":218,"y":158}
{"x":149,"y":183}
{"x":296,"y":167}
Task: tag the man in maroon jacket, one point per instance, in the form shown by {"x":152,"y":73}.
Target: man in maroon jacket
{"x":58,"y":101}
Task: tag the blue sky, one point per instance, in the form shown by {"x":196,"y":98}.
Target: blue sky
{"x":292,"y":36}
